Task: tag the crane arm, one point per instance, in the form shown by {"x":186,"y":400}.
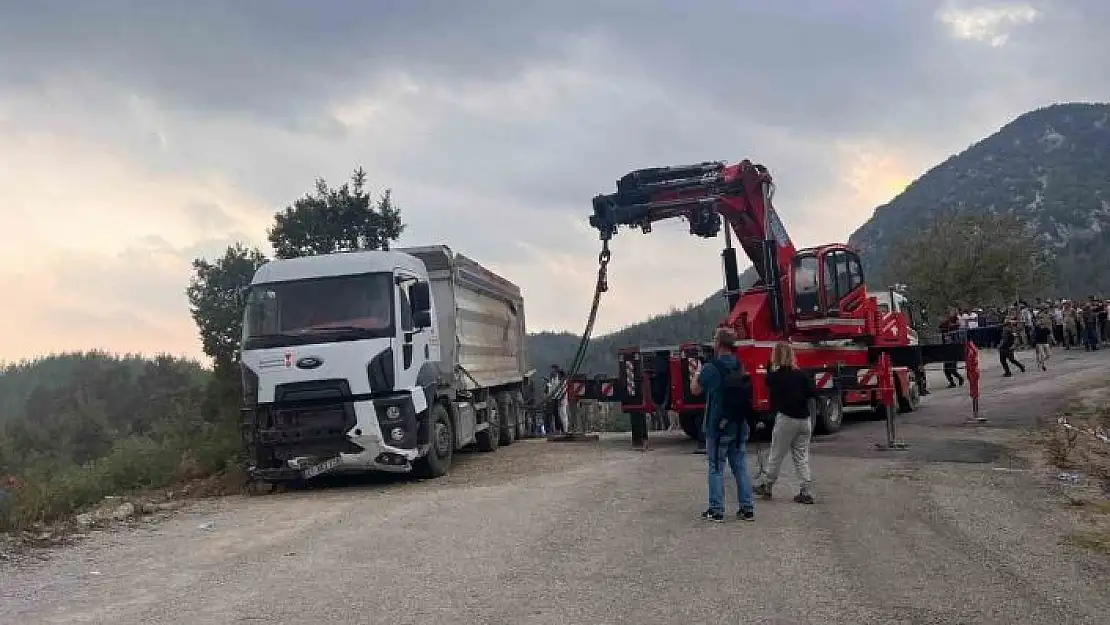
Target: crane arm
{"x":702,"y":194}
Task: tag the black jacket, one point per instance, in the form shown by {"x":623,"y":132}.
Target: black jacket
{"x":1007,"y":342}
{"x":790,"y":392}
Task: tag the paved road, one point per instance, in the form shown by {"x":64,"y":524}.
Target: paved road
{"x":596,"y":534}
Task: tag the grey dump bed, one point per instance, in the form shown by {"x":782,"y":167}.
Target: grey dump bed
{"x":481,"y":319}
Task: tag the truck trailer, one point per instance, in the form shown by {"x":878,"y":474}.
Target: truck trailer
{"x":379,"y":361}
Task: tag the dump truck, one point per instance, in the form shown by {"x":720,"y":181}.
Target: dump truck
{"x":379,"y":361}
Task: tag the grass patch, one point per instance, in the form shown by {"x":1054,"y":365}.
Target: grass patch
{"x":1095,"y":541}
{"x":1074,"y":440}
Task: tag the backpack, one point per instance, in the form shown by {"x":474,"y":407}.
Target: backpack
{"x":736,"y":397}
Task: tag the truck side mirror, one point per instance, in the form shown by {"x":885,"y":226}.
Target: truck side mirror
{"x":420,"y":295}
{"x":422,"y":319}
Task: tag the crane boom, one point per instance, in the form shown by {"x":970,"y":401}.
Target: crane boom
{"x":703,"y":194}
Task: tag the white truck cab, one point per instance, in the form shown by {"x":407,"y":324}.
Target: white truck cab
{"x":344,"y":365}
{"x":892,"y":301}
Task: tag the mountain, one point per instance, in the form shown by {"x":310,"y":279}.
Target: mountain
{"x":1049,"y":167}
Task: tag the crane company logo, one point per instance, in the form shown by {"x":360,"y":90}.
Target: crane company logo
{"x":288,"y":359}
{"x":309,"y":362}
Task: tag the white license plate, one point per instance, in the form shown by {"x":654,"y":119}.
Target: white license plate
{"x":321,"y":468}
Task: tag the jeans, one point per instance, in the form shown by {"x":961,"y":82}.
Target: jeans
{"x":1091,"y":336}
{"x":718,"y":449}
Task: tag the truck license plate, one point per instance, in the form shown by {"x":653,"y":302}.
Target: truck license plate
{"x":323,"y":467}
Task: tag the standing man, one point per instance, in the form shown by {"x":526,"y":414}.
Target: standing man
{"x":949,"y":330}
{"x":1010,"y":331}
{"x":1071,"y":325}
{"x":728,"y":411}
{"x":1090,"y":325}
{"x":562,"y":401}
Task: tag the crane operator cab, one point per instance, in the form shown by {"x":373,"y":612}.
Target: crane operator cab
{"x":829,"y":292}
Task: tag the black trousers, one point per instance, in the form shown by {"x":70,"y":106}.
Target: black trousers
{"x":1006,"y":356}
{"x":952,"y":374}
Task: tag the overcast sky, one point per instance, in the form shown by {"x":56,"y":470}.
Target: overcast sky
{"x":135,"y":136}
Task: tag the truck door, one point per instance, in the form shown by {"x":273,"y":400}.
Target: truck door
{"x":412,"y":349}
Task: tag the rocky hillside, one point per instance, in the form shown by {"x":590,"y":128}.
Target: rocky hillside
{"x":1049,"y":167}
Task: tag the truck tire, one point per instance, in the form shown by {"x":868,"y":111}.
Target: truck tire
{"x":489,"y":438}
{"x":441,"y":436}
{"x":510,"y":418}
{"x":830,"y":415}
{"x":691,"y":423}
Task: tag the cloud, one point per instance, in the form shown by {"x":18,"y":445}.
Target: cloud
{"x":137,"y":135}
{"x":988,"y":24}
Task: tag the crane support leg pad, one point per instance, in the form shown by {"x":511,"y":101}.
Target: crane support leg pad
{"x":573,"y":438}
{"x":896,"y":446}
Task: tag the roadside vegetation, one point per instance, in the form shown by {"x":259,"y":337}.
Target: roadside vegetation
{"x":1077,"y":445}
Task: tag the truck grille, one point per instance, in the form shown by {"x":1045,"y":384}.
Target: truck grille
{"x":308,"y":418}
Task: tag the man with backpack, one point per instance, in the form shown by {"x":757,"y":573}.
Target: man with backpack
{"x":726,"y":425}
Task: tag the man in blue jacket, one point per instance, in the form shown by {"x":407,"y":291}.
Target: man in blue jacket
{"x":729,"y":395}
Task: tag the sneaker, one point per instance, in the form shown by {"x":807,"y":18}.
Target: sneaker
{"x":805,"y":498}
{"x":763,"y":491}
{"x":714,"y":516}
{"x":746,"y":514}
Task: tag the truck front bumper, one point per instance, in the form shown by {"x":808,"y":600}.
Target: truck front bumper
{"x":361,"y":448}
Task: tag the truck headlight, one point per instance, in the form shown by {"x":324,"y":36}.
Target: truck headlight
{"x":393,"y":413}
{"x":397,"y":434}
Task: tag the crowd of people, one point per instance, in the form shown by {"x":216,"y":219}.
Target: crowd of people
{"x":1071,"y":323}
{"x":1039,"y":326}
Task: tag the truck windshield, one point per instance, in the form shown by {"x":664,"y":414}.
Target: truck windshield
{"x":319,"y":310}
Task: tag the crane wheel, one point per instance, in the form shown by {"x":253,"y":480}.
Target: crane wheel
{"x":830,"y":415}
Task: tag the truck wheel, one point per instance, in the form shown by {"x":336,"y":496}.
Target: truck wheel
{"x":509,"y":418}
{"x":441,"y":450}
{"x":691,"y":423}
{"x":830,"y":415}
{"x":489,"y":438}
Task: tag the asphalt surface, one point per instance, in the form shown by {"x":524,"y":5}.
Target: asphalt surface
{"x":596,"y":534}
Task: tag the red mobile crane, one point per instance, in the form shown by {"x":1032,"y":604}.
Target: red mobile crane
{"x":816,"y":298}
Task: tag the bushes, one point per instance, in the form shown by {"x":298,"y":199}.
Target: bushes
{"x":110,"y":426}
{"x":50,"y":492}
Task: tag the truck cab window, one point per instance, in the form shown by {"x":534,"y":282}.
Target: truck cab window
{"x":807,"y":296}
{"x":855,"y":273}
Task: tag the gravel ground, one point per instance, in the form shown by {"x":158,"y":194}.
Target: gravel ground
{"x":596,"y":534}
